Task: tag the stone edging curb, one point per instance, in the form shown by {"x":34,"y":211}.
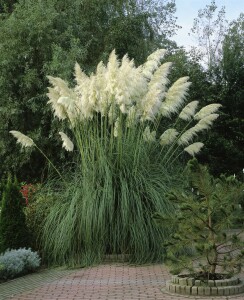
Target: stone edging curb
{"x":189,"y":286}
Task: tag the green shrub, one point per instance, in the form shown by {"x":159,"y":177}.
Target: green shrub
{"x":13,"y":230}
{"x":36,"y":212}
{"x":18,"y":262}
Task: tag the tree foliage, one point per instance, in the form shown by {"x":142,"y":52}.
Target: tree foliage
{"x":220,"y":52}
{"x":225,"y":143}
{"x":209,"y":29}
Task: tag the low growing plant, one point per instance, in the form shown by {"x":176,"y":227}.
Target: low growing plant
{"x":18,"y":262}
{"x":203,"y":222}
{"x":125,"y":162}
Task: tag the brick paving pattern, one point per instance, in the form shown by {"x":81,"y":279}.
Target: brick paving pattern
{"x":31,"y":281}
{"x":106,"y":282}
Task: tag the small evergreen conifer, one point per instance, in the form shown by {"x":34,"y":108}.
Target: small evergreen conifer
{"x":13,"y":230}
{"x":204,"y":242}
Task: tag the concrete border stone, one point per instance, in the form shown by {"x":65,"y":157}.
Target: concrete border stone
{"x":189,"y":286}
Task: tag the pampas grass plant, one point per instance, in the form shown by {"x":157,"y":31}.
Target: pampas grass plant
{"x":124,"y":161}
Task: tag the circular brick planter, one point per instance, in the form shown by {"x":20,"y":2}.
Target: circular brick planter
{"x":190,"y":286}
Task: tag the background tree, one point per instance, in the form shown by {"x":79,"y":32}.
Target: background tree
{"x":209,"y":29}
{"x":220,"y":52}
{"x":31,"y":39}
{"x":224,"y":146}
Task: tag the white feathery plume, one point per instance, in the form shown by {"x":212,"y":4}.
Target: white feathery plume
{"x":149,"y":136}
{"x":60,"y":86}
{"x":161,"y":75}
{"x":88,"y":100}
{"x":157,"y":55}
{"x":175,"y":96}
{"x":149,"y":68}
{"x":92,"y":100}
{"x":22,"y":139}
{"x":187,"y":136}
{"x":67,"y":144}
{"x":188,"y":111}
{"x":203,"y":124}
{"x":151,"y":102}
{"x":152,"y":63}
{"x":124,"y":84}
{"x":113,"y":63}
{"x":101,"y":69}
{"x":60,"y":89}
{"x":194,"y":148}
{"x":68,"y":103}
{"x":111,"y":74}
{"x":130,"y":85}
{"x":100,"y":105}
{"x":65,"y":101}
{"x":70,"y":107}
{"x":80,"y":76}
{"x":83,"y":82}
{"x":168,"y":137}
{"x":58,"y":109}
{"x":207,"y":110}
{"x":206,"y":122}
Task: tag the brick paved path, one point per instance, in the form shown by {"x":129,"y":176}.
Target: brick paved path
{"x":105,"y":282}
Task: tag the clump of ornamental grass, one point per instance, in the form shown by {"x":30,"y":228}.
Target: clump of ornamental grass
{"x":122,"y":175}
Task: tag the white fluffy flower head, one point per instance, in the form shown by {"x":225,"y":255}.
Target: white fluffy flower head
{"x":194,"y":148}
{"x":168,"y":137}
{"x":188,"y":111}
{"x":175,"y":97}
{"x":22,"y":139}
{"x":207,"y":110}
{"x":67,"y":144}
{"x":149,"y":136}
